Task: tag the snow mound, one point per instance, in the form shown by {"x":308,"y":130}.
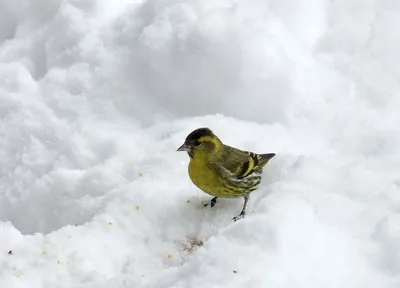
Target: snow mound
{"x":96,"y":96}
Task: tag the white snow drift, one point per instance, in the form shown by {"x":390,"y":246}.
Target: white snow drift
{"x":96,"y":96}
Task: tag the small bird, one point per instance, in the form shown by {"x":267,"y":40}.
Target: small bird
{"x":220,"y":170}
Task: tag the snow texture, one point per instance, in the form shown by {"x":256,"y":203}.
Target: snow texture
{"x":96,"y":96}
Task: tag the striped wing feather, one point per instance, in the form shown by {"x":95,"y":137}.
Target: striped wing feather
{"x":243,"y":163}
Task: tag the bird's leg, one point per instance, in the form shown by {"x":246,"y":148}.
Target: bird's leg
{"x":243,"y":212}
{"x":211,"y":202}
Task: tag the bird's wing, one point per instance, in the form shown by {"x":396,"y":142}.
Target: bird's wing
{"x":243,"y":163}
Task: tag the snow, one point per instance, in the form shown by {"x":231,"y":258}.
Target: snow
{"x":96,"y":96}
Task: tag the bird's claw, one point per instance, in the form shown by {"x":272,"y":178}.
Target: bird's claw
{"x":210,"y":202}
{"x":240,"y":216}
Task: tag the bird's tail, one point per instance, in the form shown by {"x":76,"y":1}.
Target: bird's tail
{"x":264,"y":158}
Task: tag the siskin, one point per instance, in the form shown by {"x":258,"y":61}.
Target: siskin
{"x":220,"y":170}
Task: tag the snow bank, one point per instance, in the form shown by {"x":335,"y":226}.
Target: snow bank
{"x":96,"y":96}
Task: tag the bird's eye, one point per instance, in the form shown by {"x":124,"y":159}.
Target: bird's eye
{"x":196,"y":143}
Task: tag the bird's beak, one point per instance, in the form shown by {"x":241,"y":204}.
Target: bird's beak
{"x":184,"y":147}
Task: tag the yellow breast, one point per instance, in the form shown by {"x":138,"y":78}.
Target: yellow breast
{"x":205,"y":178}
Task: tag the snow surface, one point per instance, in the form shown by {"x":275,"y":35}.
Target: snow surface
{"x":96,"y":96}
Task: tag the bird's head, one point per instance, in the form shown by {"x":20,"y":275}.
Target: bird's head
{"x":201,"y":141}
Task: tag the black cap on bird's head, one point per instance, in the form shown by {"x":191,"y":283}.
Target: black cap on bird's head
{"x":193,"y":139}
{"x":198,"y":133}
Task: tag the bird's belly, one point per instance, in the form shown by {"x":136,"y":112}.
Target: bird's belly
{"x":209,"y":181}
{"x":206,"y":179}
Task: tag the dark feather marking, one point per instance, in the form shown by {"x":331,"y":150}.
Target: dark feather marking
{"x":245,"y":166}
{"x":255,"y":158}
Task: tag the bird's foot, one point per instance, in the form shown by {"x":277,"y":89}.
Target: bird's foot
{"x":240,"y":216}
{"x":211,"y":202}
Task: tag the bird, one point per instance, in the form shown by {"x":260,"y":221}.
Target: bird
{"x":220,"y":170}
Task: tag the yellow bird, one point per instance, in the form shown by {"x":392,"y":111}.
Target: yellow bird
{"x":220,"y":170}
